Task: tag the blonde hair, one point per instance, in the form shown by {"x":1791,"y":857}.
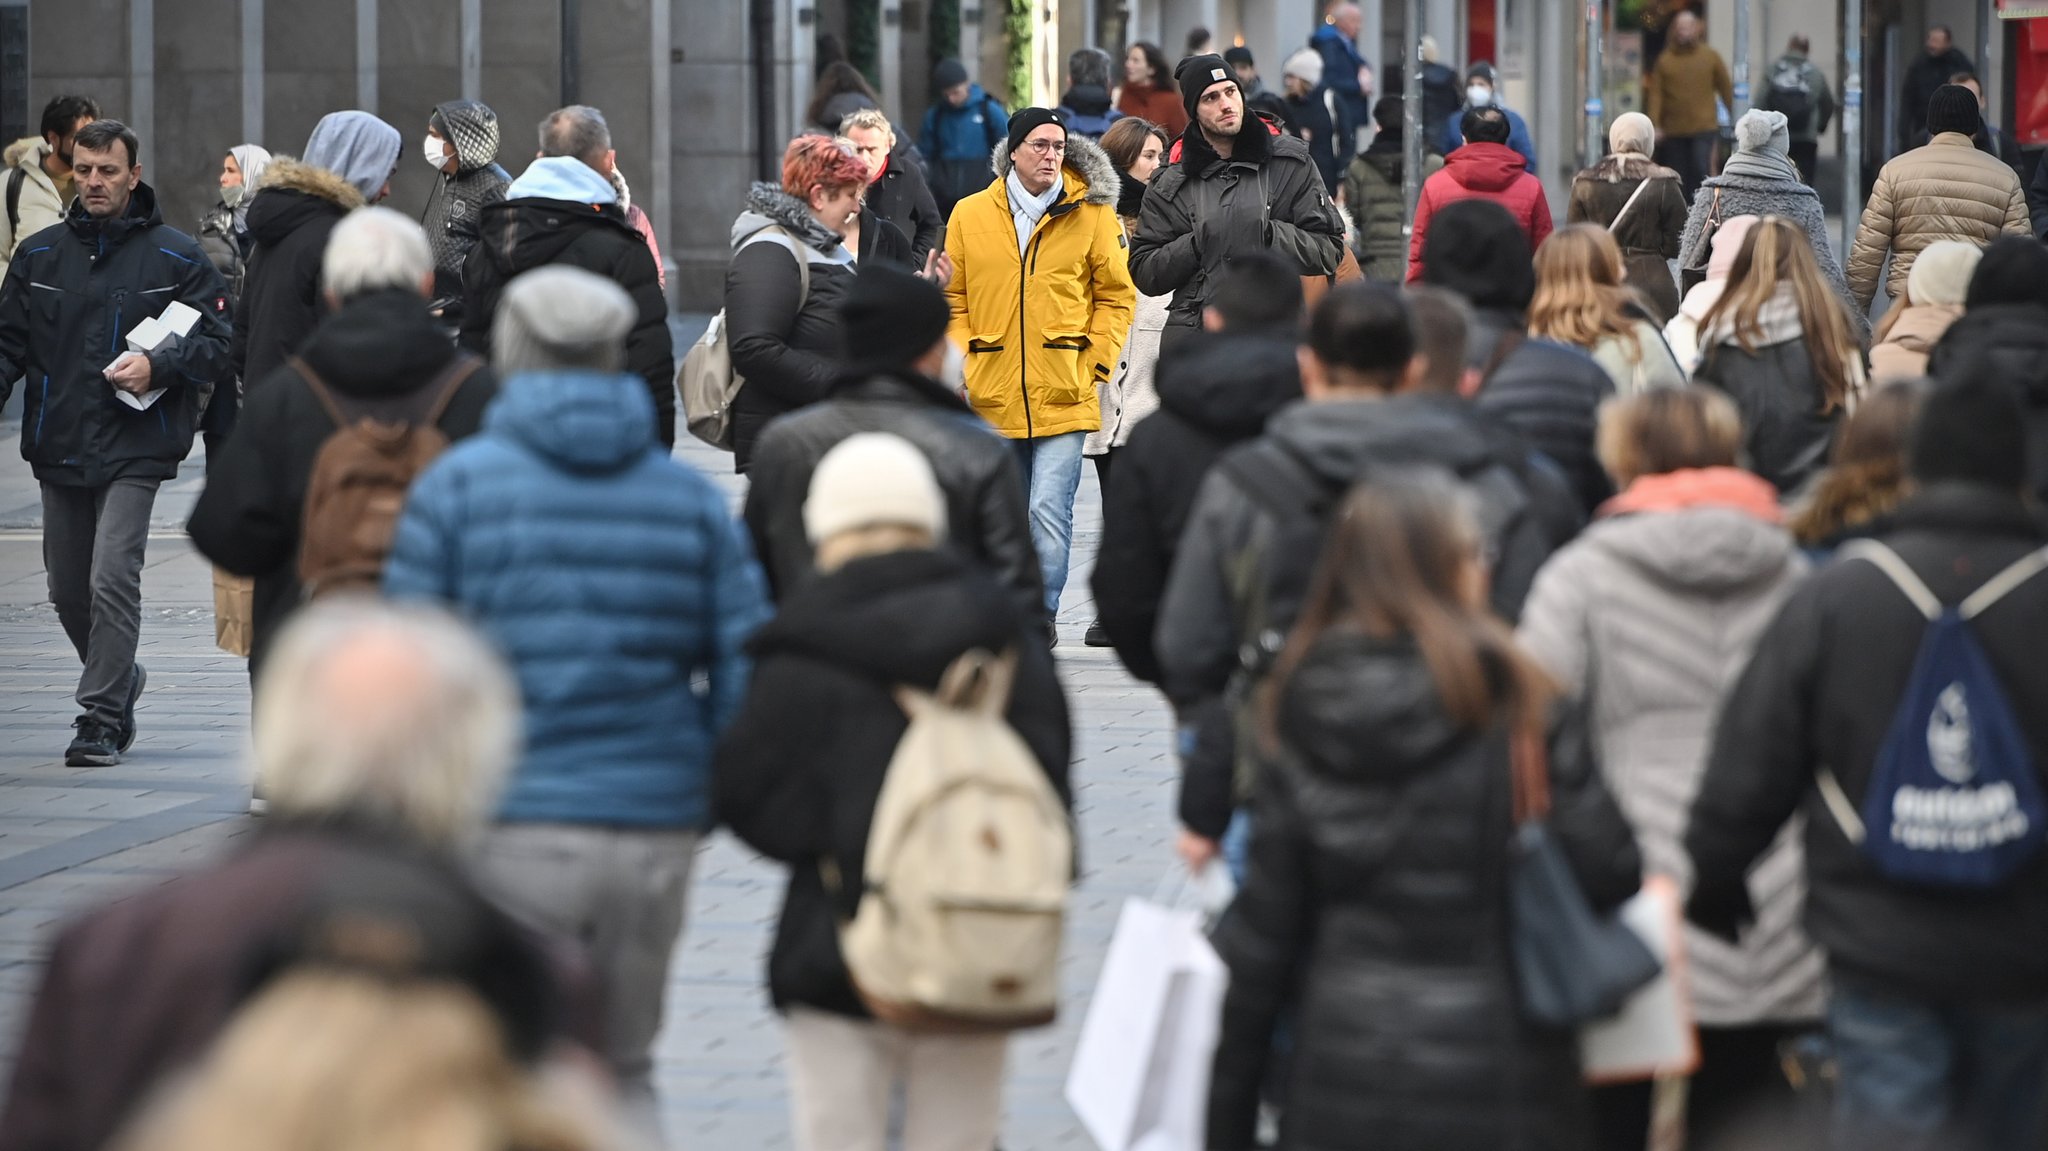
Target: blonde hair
{"x":1667,"y":430}
{"x":869,"y":118}
{"x":1580,"y":298}
{"x":1866,"y":475}
{"x":325,"y":1060}
{"x":1776,"y":253}
{"x":398,"y":714}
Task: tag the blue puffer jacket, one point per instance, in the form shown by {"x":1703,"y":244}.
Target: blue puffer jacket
{"x":968,"y":132}
{"x":611,"y":576}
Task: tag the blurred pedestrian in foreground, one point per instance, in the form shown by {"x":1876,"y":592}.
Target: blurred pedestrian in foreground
{"x":2003,"y":335}
{"x":615,"y":581}
{"x":1866,"y":476}
{"x":382,"y":736}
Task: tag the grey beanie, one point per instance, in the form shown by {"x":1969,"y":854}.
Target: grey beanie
{"x":1761,"y":130}
{"x":561,"y":317}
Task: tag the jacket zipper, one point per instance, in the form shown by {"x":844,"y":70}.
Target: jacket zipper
{"x":42,"y":410}
{"x":1023,"y":334}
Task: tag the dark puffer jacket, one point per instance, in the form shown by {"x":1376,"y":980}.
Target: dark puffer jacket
{"x":800,"y":769}
{"x":986,"y":516}
{"x":785,"y":344}
{"x":72,"y":294}
{"x":2005,"y":342}
{"x":1785,"y":434}
{"x":456,"y":205}
{"x":903,"y":198}
{"x":294,"y":212}
{"x":1822,"y":689}
{"x":1550,"y":394}
{"x":1375,"y":904}
{"x":376,"y":354}
{"x":1215,"y":390}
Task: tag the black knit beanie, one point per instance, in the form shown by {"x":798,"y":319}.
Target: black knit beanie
{"x":890,"y":318}
{"x":1198,"y":74}
{"x":1971,"y":428}
{"x":1476,"y":249}
{"x":1953,"y":109}
{"x":1029,"y":120}
{"x":2014,"y":270}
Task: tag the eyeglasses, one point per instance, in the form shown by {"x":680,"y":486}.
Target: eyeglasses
{"x":1046,"y":147}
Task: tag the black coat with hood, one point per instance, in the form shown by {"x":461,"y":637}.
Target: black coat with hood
{"x":2003,"y":335}
{"x":1215,"y":390}
{"x":294,"y":213}
{"x":72,"y":294}
{"x":800,"y":769}
{"x":1203,"y":209}
{"x":455,"y":206}
{"x":903,"y":198}
{"x":519,"y":235}
{"x":1375,"y":906}
{"x":985,"y":510}
{"x":375,"y":354}
{"x":1822,"y":690}
{"x":1229,"y":542}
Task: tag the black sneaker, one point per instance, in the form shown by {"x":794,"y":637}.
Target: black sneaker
{"x":136,"y":680}
{"x":1096,"y":636}
{"x":96,"y":745}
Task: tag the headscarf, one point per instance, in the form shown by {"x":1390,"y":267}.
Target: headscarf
{"x":252,"y":159}
{"x":358,"y":147}
{"x":1632,"y":134}
{"x":1763,"y":147}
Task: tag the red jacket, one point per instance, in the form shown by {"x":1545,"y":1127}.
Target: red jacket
{"x":1482,"y":172}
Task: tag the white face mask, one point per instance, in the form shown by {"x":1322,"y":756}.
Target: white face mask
{"x":1479,"y":95}
{"x":436,"y":153}
{"x":232,"y":196}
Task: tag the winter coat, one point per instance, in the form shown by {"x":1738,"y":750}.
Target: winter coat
{"x":1042,"y":330}
{"x":1907,"y":338}
{"x":956,"y":143}
{"x":2006,"y":342}
{"x":611,"y":576}
{"x":71,"y":296}
{"x":1548,"y":392}
{"x":1374,"y":915}
{"x":1341,"y":62}
{"x":1785,"y":433}
{"x":455,"y":206}
{"x":1947,"y":190}
{"x":1649,"y":236}
{"x":295,"y":210}
{"x":1680,"y":93}
{"x":882,"y":242}
{"x":1820,"y":97}
{"x":591,"y":232}
{"x":986,"y":516}
{"x":1742,"y":195}
{"x":375,"y":355}
{"x":1376,"y":198}
{"x":1682,"y":334}
{"x":1646,"y":365}
{"x":785,"y":344}
{"x":1217,"y":389}
{"x":134,"y":992}
{"x":1822,"y":690}
{"x":227,"y":246}
{"x":1161,"y":105}
{"x":901,"y":197}
{"x":1131,"y":395}
{"x":1481,"y":172}
{"x":1200,"y":211}
{"x":1518,"y":136}
{"x":1087,"y":110}
{"x":41,"y":203}
{"x":2037,"y":202}
{"x":1309,"y":119}
{"x":1924,"y":75}
{"x":1648,"y":618}
{"x":838,"y":107}
{"x":801,"y":768}
{"x":1227,"y":545}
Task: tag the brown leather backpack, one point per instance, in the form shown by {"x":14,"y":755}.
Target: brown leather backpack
{"x":359,"y":481}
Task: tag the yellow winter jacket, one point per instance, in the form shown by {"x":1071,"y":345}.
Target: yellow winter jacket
{"x":1041,"y":330}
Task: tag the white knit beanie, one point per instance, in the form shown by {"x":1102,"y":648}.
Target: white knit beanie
{"x":869,"y":480}
{"x":1941,"y":274}
{"x":1305,"y":65}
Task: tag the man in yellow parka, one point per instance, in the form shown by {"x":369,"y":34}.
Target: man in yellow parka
{"x":1042,"y":300}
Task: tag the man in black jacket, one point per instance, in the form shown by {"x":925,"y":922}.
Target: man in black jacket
{"x":380,"y":353}
{"x":102,"y":427}
{"x":1929,"y":71}
{"x":895,"y":331}
{"x":896,"y":187}
{"x":1237,"y":185}
{"x":1217,"y":388}
{"x":1244,"y":561}
{"x":564,"y":210}
{"x":1940,"y":1010}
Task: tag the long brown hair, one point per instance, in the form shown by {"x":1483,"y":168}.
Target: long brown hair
{"x":1397,"y":563}
{"x":1866,"y":475}
{"x":1775,"y":253}
{"x":1580,"y":298}
{"x":1125,"y":140}
{"x":837,"y":78}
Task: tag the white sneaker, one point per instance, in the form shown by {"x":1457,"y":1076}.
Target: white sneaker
{"x":258,"y":805}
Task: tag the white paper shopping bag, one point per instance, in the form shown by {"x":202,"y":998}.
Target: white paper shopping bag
{"x":1140,"y":1078}
{"x":1654,"y":1035}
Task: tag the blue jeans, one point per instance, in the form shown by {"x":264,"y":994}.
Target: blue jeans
{"x":1916,"y":1075}
{"x":1051,"y":466}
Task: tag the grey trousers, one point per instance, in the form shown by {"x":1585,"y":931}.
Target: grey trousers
{"x":93,"y":540}
{"x":620,"y":894}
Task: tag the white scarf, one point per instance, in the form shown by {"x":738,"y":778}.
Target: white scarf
{"x":1027,"y":210}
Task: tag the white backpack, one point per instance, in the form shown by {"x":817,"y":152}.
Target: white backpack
{"x":706,"y":381}
{"x":969,"y":859}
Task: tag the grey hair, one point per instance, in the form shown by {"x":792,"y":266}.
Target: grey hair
{"x":423,"y":746}
{"x":870,"y":118}
{"x":372,"y":249}
{"x":1089,"y":66}
{"x":577,"y":131}
{"x":559,"y":318}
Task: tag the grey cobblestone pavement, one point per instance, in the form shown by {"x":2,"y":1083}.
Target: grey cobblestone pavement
{"x":72,"y":837}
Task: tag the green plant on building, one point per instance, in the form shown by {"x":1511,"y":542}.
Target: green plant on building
{"x":864,"y":37}
{"x":1017,"y":22}
{"x":942,"y":32}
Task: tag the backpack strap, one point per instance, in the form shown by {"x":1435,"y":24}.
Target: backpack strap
{"x":1503,"y":347}
{"x":15,"y":179}
{"x":452,"y":377}
{"x":1277,"y":479}
{"x":1887,"y":561}
{"x":1614,"y":225}
{"x":796,"y":249}
{"x":1996,"y":588}
{"x":319,"y":389}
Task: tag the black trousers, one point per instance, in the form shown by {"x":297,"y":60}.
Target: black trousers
{"x":1692,"y":157}
{"x":1806,"y":157}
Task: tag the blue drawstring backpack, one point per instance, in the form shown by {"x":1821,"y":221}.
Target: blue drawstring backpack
{"x":1955,"y":798}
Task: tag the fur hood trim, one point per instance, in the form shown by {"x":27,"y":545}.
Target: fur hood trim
{"x":1085,"y":159}
{"x":294,"y":176}
{"x":22,"y":149}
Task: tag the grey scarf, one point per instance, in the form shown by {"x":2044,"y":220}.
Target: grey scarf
{"x":1761,"y":164}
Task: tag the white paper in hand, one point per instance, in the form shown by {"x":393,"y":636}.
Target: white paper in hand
{"x":1654,"y":1034}
{"x":147,"y":336}
{"x":141,"y":403}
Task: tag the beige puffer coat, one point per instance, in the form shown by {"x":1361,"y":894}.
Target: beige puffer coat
{"x":1947,"y":190}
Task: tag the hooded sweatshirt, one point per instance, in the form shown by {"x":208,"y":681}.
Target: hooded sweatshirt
{"x":359,"y":148}
{"x":459,"y":198}
{"x":1482,"y":171}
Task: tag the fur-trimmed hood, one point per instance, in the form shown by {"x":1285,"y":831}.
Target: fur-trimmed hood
{"x":294,"y":194}
{"x":768,"y":206}
{"x":1627,"y":166}
{"x":293,"y":175}
{"x":1086,"y":161}
{"x":22,"y":148}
